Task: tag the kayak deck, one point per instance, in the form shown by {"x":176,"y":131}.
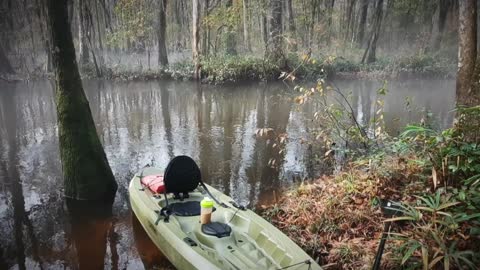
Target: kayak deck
{"x":253,"y":243}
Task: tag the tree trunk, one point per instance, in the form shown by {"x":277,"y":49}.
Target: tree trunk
{"x":370,"y":52}
{"x":349,"y":22}
{"x":468,"y":74}
{"x":276,"y":27}
{"x":291,"y":26}
{"x":196,"y":38}
{"x":206,"y":37}
{"x":467,"y":50}
{"x":264,"y":27}
{"x":363,"y":22}
{"x":162,"y":26}
{"x":230,"y":38}
{"x":82,"y":33}
{"x":87,"y":174}
{"x":5,"y":66}
{"x":438,"y":24}
{"x":246,"y":38}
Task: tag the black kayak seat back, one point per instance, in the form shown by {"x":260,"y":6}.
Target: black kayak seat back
{"x":182,"y":175}
{"x":216,"y":229}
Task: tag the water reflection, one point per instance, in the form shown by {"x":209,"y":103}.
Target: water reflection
{"x":147,"y":123}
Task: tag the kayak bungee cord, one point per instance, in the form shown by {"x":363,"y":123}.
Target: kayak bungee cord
{"x":307,"y":262}
{"x":210,"y":194}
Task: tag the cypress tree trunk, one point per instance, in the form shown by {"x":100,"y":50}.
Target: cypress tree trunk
{"x":87,"y":174}
{"x":162,"y":26}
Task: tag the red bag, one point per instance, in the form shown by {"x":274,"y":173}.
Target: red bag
{"x":154,"y":183}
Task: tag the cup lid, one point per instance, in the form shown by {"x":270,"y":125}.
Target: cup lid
{"x":206,"y":202}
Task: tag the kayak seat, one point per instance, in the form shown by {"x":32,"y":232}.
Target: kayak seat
{"x":216,"y":229}
{"x":186,"y":209}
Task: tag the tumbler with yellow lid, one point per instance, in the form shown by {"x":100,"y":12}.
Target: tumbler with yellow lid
{"x":206,"y":210}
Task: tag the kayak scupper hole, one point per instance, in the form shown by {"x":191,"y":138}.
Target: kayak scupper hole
{"x":229,"y":247}
{"x":240,"y":241}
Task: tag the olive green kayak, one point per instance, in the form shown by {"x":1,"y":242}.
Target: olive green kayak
{"x":250,"y":242}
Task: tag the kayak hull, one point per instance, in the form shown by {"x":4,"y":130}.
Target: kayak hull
{"x":253,"y":244}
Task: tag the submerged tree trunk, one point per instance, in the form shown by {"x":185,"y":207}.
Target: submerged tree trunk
{"x":162,"y":26}
{"x":363,"y":22}
{"x":230,"y":38}
{"x":82,"y":33}
{"x":5,"y":66}
{"x":196,"y":38}
{"x":87,"y":174}
{"x":468,"y":74}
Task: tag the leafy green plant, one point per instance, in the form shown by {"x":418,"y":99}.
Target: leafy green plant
{"x":435,"y":235}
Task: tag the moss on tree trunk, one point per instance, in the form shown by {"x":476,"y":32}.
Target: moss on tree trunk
{"x":86,"y":171}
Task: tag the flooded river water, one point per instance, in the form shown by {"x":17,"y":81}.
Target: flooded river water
{"x":144,"y":123}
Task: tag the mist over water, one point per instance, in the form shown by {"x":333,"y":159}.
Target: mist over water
{"x":144,"y":123}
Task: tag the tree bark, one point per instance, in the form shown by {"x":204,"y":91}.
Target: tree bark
{"x":246,"y":38}
{"x":230,"y":38}
{"x":291,"y":26}
{"x":468,"y":74}
{"x":162,"y":27}
{"x":5,"y":66}
{"x":196,"y":38}
{"x":363,"y":22}
{"x":87,"y":174}
{"x":467,"y":50}
{"x":82,"y":33}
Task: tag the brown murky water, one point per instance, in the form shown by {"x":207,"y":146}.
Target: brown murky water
{"x":148,"y":123}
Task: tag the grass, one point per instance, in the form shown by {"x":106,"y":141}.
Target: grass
{"x":231,"y":69}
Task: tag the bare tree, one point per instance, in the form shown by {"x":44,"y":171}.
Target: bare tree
{"x":162,"y":26}
{"x":292,"y":30}
{"x":363,"y":22}
{"x":370,"y":51}
{"x":196,"y":38}
{"x":276,"y":26}
{"x":246,"y":37}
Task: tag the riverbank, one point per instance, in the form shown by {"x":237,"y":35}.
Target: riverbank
{"x":233,"y":69}
{"x":434,"y":176}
